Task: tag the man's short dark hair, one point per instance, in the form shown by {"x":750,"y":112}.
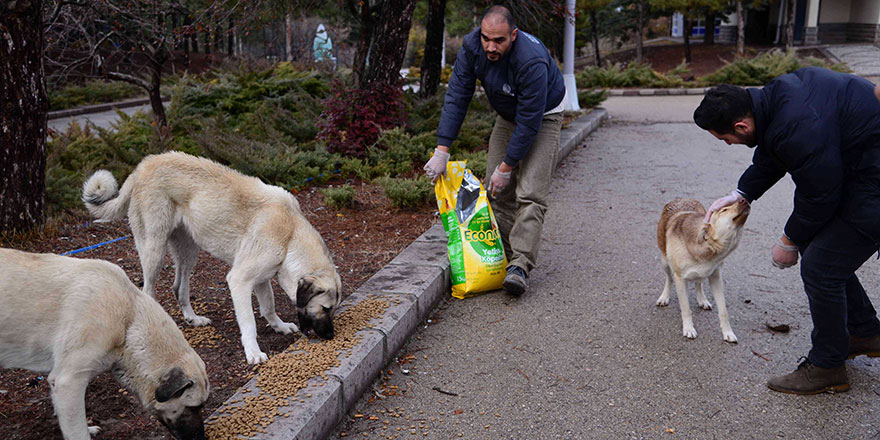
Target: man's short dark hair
{"x":502,"y":12}
{"x":722,"y":107}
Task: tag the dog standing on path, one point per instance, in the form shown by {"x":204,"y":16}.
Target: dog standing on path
{"x":181,"y":203}
{"x":694,"y":251}
{"x":76,"y":318}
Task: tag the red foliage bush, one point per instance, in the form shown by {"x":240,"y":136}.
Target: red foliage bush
{"x":353,"y":117}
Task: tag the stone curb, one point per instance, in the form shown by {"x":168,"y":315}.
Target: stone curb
{"x":97,"y":108}
{"x":413,"y":283}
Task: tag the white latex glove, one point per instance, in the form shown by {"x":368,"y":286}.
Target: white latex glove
{"x":498,"y":181}
{"x":436,"y":165}
{"x":727,"y":200}
{"x":784,"y":255}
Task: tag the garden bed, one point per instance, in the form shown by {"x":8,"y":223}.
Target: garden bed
{"x":362,"y":240}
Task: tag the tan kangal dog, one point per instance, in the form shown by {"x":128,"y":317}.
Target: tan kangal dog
{"x":181,"y":203}
{"x":76,"y":318}
{"x":694,"y":251}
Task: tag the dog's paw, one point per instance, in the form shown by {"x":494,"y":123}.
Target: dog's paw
{"x":256,"y":357}
{"x":94,"y":430}
{"x":285,"y":328}
{"x":729,"y":337}
{"x":197,"y":321}
{"x":689,"y":332}
{"x":705,"y":305}
{"x":663,"y":301}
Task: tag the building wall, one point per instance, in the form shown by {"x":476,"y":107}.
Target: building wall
{"x":863,"y":32}
{"x":832,"y":33}
{"x":864,"y":11}
{"x":836,"y":11}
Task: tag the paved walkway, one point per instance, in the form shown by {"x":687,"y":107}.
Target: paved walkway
{"x":586,"y":354}
{"x":103,"y":119}
{"x":863,"y":59}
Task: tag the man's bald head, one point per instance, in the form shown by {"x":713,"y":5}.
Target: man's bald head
{"x":499,"y":13}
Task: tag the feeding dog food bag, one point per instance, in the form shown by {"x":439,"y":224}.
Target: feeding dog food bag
{"x":475,"y":251}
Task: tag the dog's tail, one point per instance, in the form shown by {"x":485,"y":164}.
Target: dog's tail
{"x":102,"y":197}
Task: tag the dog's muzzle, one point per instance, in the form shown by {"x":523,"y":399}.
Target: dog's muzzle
{"x":189,"y":426}
{"x":323,"y":327}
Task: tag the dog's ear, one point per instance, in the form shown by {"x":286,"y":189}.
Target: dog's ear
{"x":706,"y":231}
{"x":172,"y":385}
{"x":305,"y":291}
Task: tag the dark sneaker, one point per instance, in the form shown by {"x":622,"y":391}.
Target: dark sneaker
{"x":869,"y":346}
{"x":516,"y":281}
{"x":810,"y":379}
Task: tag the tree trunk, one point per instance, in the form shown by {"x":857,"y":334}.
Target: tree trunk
{"x":156,"y":93}
{"x":595,"y":31}
{"x":688,"y":28}
{"x":218,"y":39}
{"x":288,"y":37}
{"x":709,"y":38}
{"x":386,"y":59}
{"x":431,"y":61}
{"x":23,"y":107}
{"x":230,"y":38}
{"x":639,"y":31}
{"x":789,"y":24}
{"x":193,"y":34}
{"x":185,"y":41}
{"x":359,"y":66}
{"x":740,"y":29}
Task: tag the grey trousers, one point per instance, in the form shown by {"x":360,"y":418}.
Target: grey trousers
{"x":520,"y":207}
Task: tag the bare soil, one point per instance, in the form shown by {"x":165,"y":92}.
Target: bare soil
{"x":362,"y":240}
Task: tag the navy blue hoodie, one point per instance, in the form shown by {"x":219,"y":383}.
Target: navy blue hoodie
{"x":823,"y":127}
{"x":521,"y":86}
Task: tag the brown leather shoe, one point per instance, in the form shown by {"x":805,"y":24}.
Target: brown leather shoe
{"x":810,"y":379}
{"x":869,"y":346}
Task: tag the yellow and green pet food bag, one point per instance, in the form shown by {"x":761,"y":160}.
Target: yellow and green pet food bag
{"x":476,"y":255}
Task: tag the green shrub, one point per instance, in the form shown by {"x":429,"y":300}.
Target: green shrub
{"x":591,"y":98}
{"x":78,"y":151}
{"x":288,"y":166}
{"x":262,"y":121}
{"x":338,"y":197}
{"x":352,"y":166}
{"x":407,"y":193}
{"x":761,"y":69}
{"x":633,"y":75}
{"x":396,"y":152}
{"x":91,"y":92}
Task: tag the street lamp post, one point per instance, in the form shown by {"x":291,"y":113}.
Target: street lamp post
{"x":568,"y":58}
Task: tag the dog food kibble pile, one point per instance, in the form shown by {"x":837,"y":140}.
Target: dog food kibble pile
{"x":284,"y":374}
{"x":203,"y":337}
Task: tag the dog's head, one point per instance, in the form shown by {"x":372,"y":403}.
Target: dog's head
{"x":179,"y":399}
{"x":726,"y":223}
{"x":317,"y":297}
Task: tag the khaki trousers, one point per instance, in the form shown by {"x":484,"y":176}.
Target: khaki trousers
{"x":520,"y":207}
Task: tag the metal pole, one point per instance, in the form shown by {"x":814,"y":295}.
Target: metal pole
{"x":568,"y":58}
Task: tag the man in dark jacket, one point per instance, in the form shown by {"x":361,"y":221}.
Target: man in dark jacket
{"x":525,"y":87}
{"x":823,"y":128}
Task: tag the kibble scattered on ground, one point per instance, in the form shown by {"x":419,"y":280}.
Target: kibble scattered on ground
{"x":283,"y":375}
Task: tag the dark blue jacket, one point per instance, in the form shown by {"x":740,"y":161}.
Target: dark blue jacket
{"x":521,"y":86}
{"x":823,"y":128}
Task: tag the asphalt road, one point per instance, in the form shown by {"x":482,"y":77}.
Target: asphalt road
{"x":586,"y":354}
{"x":101,"y":119}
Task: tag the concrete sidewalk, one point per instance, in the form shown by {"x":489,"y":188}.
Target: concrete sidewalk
{"x":586,"y":353}
{"x":863,"y":59}
{"x":413,"y":283}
